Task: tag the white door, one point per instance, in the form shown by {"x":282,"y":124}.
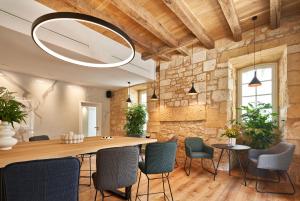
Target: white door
{"x":90,"y":119}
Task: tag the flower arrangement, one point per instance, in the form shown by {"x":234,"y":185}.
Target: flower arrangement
{"x":233,"y":131}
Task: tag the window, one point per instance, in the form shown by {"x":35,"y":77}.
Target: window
{"x":266,"y":93}
{"x":142,"y":99}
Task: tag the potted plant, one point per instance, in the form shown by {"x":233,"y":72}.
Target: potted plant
{"x":11,"y":111}
{"x":259,"y":125}
{"x":232,"y":132}
{"x":135,"y":120}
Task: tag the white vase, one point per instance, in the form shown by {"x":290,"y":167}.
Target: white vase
{"x":6,"y":136}
{"x":232,"y":142}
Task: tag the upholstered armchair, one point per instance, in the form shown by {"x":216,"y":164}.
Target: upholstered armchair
{"x":196,"y":148}
{"x":278,"y":158}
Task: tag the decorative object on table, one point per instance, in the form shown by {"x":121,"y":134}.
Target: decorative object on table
{"x":71,"y":138}
{"x":135,"y":120}
{"x":259,"y":125}
{"x":11,"y":111}
{"x":278,"y":158}
{"x":196,"y":148}
{"x":235,"y":150}
{"x":39,"y":138}
{"x":255,"y":81}
{"x":106,"y":138}
{"x":232,"y":132}
{"x":91,"y":20}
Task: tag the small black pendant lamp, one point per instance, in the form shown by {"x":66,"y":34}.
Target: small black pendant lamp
{"x":154,"y":96}
{"x":255,"y":81}
{"x":128,"y":99}
{"x":192,"y":91}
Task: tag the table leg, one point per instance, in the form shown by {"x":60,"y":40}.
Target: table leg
{"x":216,"y":170}
{"x":2,"y":189}
{"x":241,"y":167}
{"x":229,"y":168}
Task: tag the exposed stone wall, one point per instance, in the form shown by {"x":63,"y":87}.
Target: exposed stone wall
{"x":215,"y":80}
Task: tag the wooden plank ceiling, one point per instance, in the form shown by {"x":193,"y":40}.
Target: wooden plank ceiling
{"x":161,"y":28}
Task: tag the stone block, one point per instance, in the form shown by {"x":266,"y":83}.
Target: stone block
{"x":223,"y":83}
{"x":165,"y":82}
{"x":293,"y":93}
{"x":167,"y":95}
{"x":199,"y":56}
{"x":164,"y":65}
{"x":293,"y":49}
{"x":219,"y":95}
{"x":209,"y":65}
{"x":201,"y":77}
{"x":293,"y":77}
{"x":221,"y":73}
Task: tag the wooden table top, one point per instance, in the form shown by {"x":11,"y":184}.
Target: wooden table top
{"x":27,"y":151}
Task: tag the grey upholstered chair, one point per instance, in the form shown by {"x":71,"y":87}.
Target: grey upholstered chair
{"x":159,"y":159}
{"x":42,"y":180}
{"x":278,"y":158}
{"x":196,"y":148}
{"x":174,"y":139}
{"x":39,"y":138}
{"x":116,"y":168}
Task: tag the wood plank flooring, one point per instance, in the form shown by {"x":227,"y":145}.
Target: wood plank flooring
{"x":199,"y":186}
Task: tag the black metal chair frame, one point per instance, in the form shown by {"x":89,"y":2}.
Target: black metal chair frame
{"x":163,"y":177}
{"x":82,"y":157}
{"x":103,"y":196}
{"x":188,"y":171}
{"x":257,"y":180}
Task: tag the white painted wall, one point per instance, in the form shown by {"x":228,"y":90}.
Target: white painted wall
{"x":55,"y":104}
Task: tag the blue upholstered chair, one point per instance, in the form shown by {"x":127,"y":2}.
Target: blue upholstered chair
{"x":116,"y":168}
{"x":38,"y":138}
{"x":195,"y":148}
{"x":42,"y":180}
{"x":278,"y":158}
{"x":159,"y":159}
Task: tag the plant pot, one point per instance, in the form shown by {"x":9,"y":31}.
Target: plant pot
{"x":6,"y":136}
{"x":232,"y":141}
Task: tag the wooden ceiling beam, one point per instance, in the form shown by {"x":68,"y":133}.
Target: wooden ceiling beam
{"x":232,"y":18}
{"x":184,"y":13}
{"x":165,"y":50}
{"x":184,"y":51}
{"x":275,"y":13}
{"x":145,"y":19}
{"x":165,"y":57}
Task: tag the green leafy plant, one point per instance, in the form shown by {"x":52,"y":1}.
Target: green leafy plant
{"x":136,"y":118}
{"x":259,"y":125}
{"x":232,"y":131}
{"x":11,"y":110}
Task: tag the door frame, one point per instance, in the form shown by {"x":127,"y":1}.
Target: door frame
{"x":99,"y":114}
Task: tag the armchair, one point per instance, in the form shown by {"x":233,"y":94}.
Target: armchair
{"x":196,"y":148}
{"x":277,"y":158}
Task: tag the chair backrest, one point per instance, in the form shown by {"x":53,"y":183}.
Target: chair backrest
{"x":160,"y":157}
{"x":286,"y":149}
{"x":39,"y":138}
{"x":42,"y":180}
{"x":195,"y":143}
{"x":116,"y":167}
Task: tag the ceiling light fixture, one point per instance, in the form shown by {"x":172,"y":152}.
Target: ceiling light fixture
{"x":128,"y":99}
{"x":255,"y":81}
{"x":192,"y":91}
{"x":154,"y":96}
{"x":57,"y":16}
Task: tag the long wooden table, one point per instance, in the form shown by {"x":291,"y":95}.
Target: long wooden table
{"x":28,"y":151}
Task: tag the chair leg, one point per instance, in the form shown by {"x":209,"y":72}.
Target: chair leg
{"x":169,"y":186}
{"x":96,"y":195}
{"x":137,"y":190}
{"x":90,"y":160}
{"x":189,"y":168}
{"x":102,"y":195}
{"x":163,"y":181}
{"x":148,"y":187}
{"x":284,"y":193}
{"x":128,"y":190}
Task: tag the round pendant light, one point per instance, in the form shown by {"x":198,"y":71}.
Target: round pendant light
{"x":255,"y":81}
{"x":57,"y":16}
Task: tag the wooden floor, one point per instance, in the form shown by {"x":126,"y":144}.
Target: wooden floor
{"x":199,"y":186}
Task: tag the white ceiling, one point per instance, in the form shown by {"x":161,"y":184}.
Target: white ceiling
{"x":19,"y":53}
